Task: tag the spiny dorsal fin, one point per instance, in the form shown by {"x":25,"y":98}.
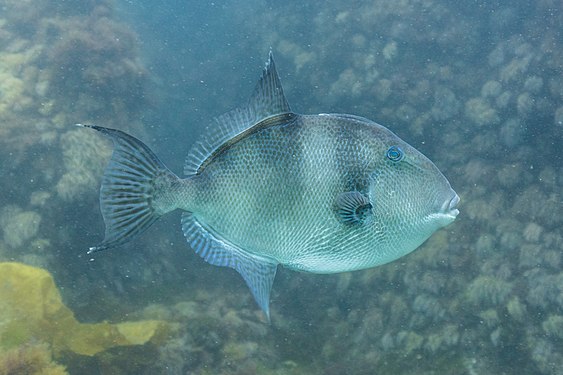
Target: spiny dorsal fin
{"x":266,"y":100}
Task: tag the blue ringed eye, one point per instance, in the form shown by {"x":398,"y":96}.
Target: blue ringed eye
{"x":394,"y":153}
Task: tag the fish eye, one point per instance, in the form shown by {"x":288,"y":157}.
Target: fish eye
{"x":394,"y":153}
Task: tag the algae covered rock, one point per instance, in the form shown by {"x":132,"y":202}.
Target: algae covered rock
{"x":18,"y":226}
{"x":31,"y":308}
{"x":33,"y":359}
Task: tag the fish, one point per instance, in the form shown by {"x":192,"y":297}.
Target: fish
{"x":323,"y":193}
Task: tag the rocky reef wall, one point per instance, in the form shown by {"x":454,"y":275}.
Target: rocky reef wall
{"x":477,"y":88}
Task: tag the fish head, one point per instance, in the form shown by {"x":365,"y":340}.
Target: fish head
{"x":410,"y":197}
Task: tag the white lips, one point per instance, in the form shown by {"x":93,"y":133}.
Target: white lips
{"x":451,"y":206}
{"x":448,"y":208}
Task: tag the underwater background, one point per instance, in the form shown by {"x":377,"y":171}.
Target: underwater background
{"x":476,"y":86}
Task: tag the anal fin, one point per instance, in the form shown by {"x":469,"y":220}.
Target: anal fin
{"x":258,"y":272}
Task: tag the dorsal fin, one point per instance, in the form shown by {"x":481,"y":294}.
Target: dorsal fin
{"x":266,"y":100}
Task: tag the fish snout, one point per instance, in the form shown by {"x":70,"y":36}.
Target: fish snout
{"x":449,"y":206}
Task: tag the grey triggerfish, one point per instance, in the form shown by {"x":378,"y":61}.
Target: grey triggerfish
{"x":320,"y":193}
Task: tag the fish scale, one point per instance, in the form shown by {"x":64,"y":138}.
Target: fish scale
{"x":317,"y":193}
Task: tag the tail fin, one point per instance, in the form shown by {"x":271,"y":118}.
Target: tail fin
{"x":133,"y":186}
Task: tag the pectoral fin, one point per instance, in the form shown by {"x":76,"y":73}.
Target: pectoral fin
{"x":353,"y":207}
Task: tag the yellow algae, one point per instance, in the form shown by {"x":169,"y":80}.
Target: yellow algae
{"x":31,"y":308}
{"x":89,"y":339}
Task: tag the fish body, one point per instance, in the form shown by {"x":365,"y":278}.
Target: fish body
{"x":318,"y":193}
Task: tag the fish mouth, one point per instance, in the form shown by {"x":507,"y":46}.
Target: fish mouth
{"x":449,"y":206}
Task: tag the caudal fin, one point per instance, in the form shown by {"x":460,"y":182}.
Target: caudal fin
{"x":134,"y":186}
